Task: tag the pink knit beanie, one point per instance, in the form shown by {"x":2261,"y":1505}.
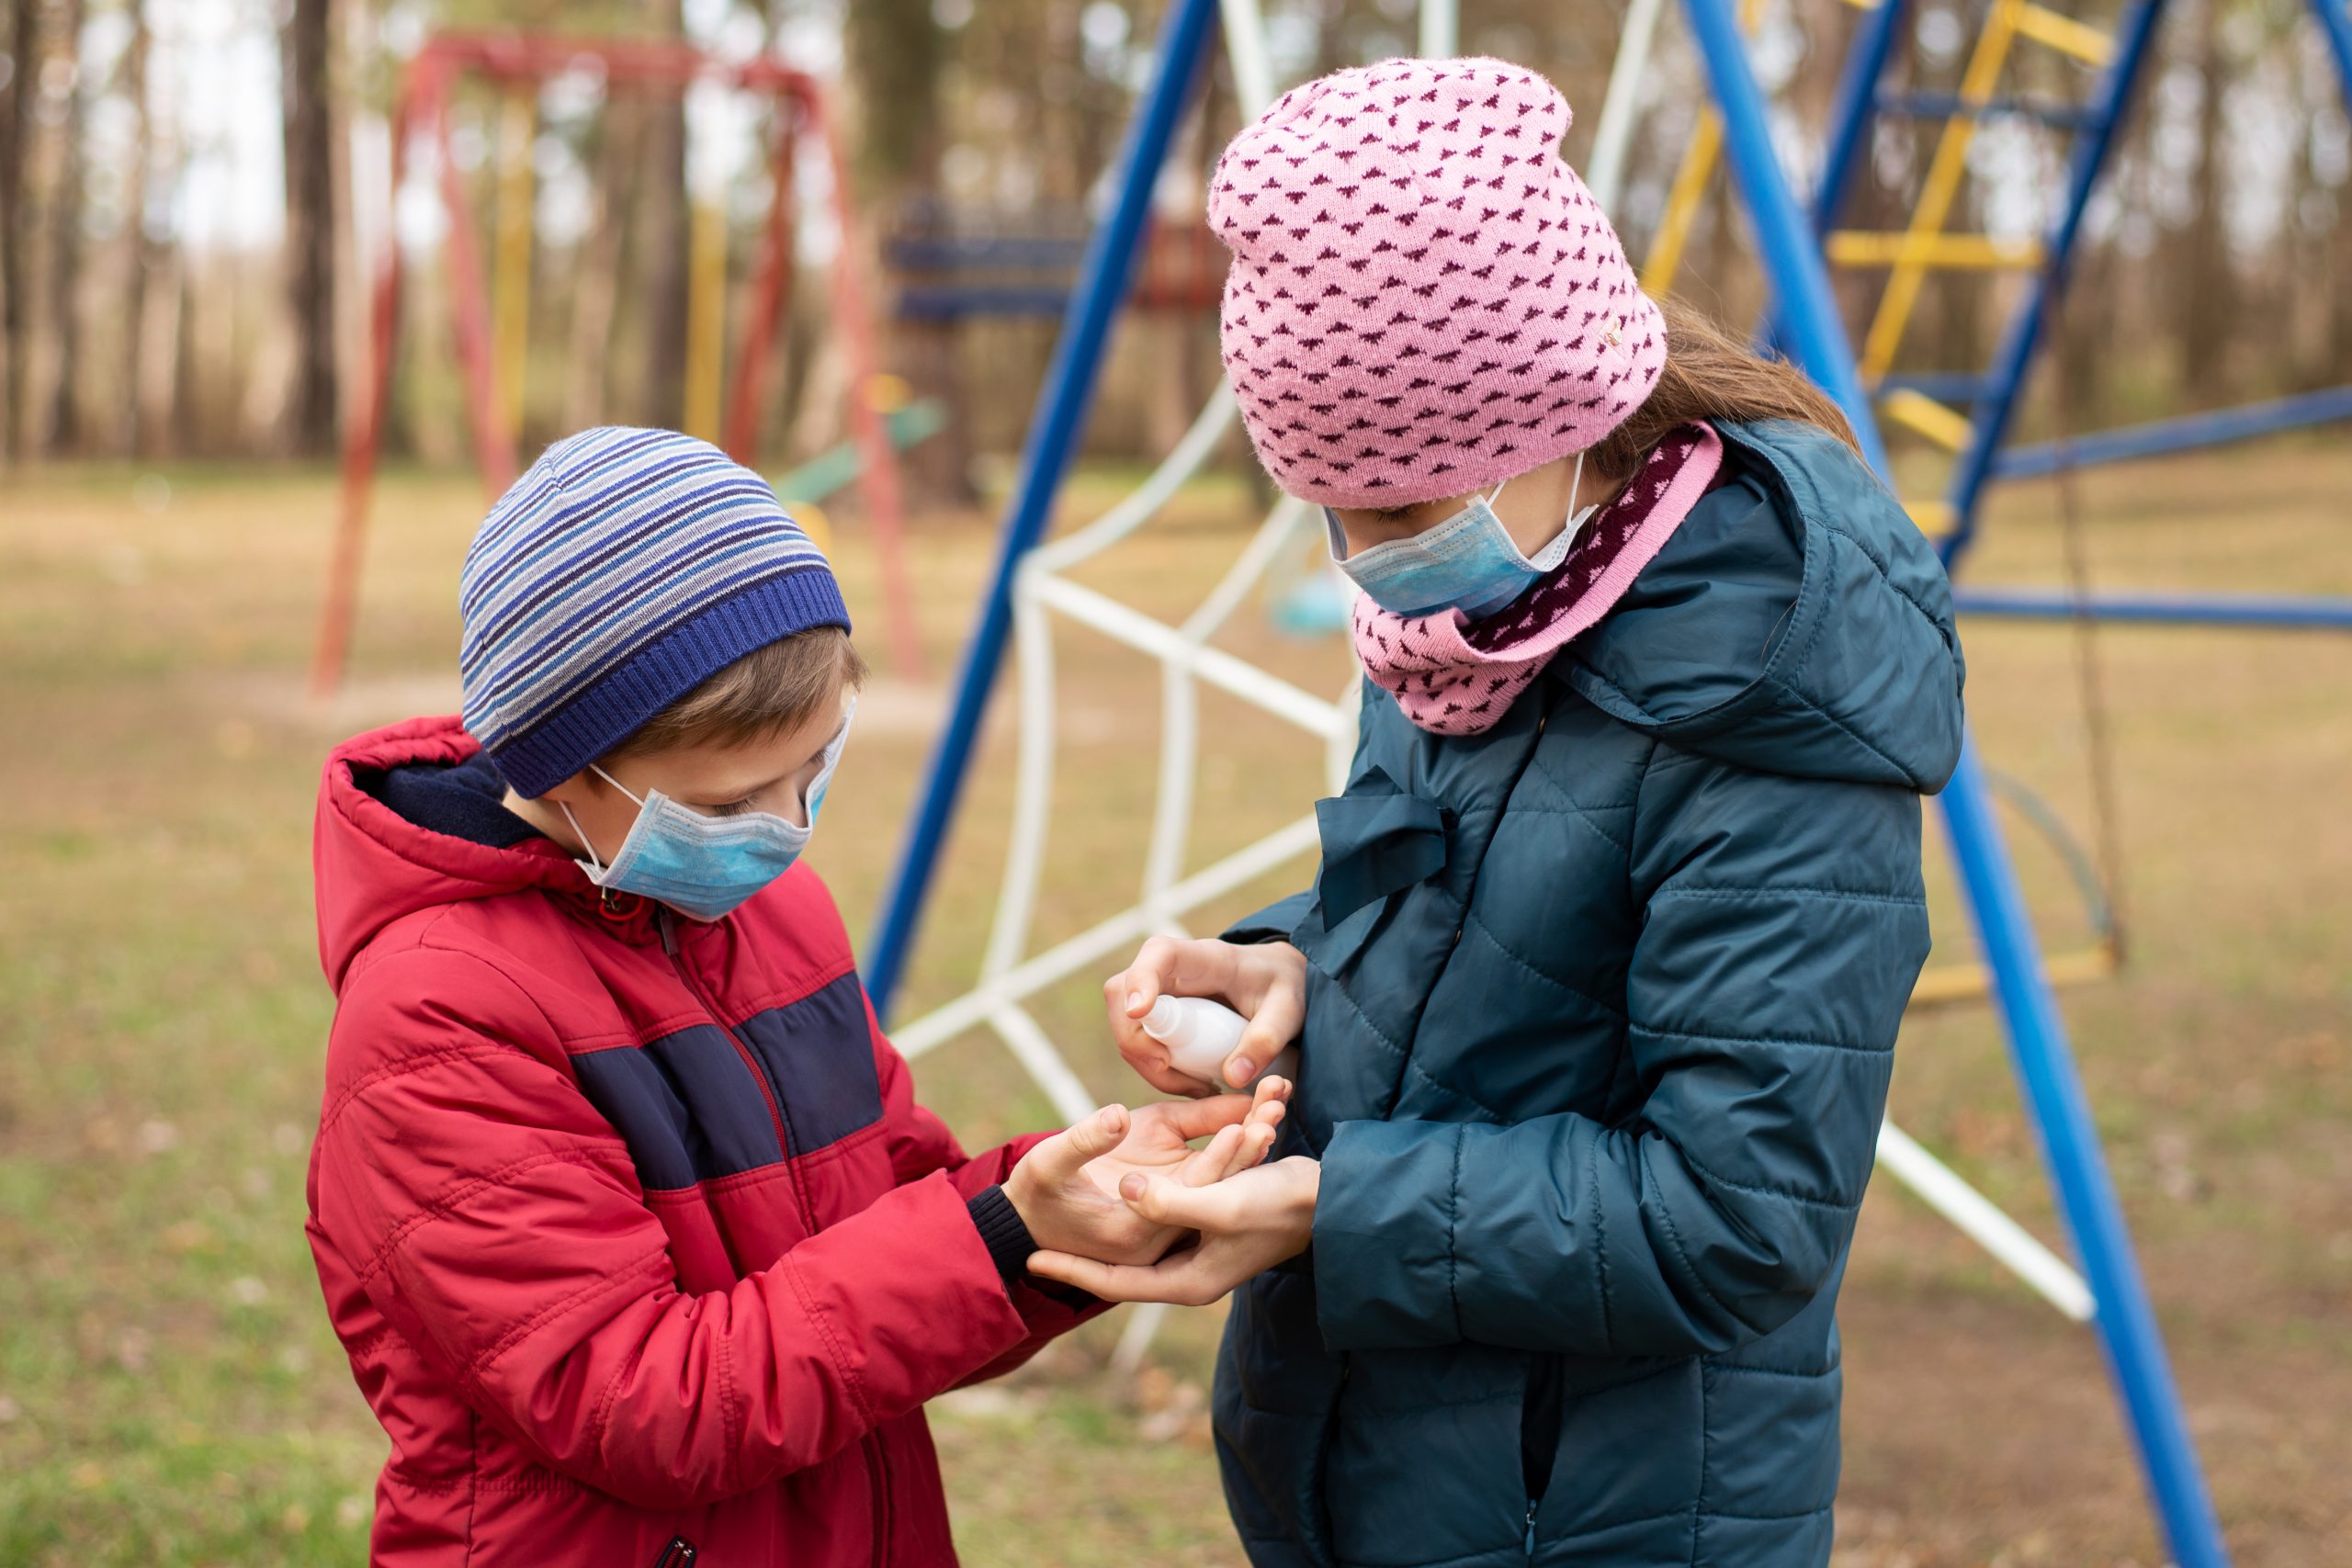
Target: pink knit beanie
{"x":1424,"y":299}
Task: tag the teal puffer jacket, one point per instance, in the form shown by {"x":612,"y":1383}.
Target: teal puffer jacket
{"x":1601,"y":1012}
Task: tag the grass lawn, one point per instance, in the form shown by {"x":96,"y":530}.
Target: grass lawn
{"x":169,"y":1392}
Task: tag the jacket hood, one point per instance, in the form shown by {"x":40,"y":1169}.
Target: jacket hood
{"x":1797,"y":622}
{"x":372,"y":866}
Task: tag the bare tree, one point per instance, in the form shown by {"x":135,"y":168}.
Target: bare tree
{"x":661,"y":242}
{"x":596,"y":283}
{"x":57,"y":417}
{"x":22,"y":66}
{"x":898,"y":52}
{"x":310,"y":421}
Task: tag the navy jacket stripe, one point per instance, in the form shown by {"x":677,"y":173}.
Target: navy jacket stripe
{"x":685,"y":1104}
{"x":820,"y":1058}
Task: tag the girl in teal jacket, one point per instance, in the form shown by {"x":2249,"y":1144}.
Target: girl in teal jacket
{"x":1596,"y":989}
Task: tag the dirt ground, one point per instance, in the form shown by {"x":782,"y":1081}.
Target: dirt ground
{"x":169,"y":1394}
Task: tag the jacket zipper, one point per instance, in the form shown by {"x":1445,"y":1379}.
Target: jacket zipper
{"x":679,"y":1553}
{"x":877,"y":1472}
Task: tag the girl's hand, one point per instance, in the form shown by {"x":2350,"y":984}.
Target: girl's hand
{"x":1248,"y":1224}
{"x":1066,"y":1190}
{"x":1264,"y":982}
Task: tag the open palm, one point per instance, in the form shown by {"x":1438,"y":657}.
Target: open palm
{"x":1159,"y":1135}
{"x":1067,"y":1192}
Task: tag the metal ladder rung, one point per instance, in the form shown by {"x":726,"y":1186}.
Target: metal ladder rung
{"x":1856,"y":247}
{"x":1947,"y":427}
{"x":1945,"y":985}
{"x":1952,"y":106}
{"x":1944,"y":386}
{"x":2064,"y":34}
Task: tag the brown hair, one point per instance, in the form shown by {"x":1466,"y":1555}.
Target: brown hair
{"x":767,"y":692}
{"x":1710,"y":374}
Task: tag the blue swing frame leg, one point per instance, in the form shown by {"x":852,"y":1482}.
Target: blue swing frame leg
{"x":1813,"y":330}
{"x":2070,"y":1149}
{"x":1053,"y":431}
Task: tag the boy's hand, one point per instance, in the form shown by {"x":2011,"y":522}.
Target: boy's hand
{"x":1066,"y":1190}
{"x":1264,"y":982}
{"x":1246,"y":1226}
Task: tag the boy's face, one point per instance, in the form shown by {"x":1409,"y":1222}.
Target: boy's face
{"x":773,"y":774}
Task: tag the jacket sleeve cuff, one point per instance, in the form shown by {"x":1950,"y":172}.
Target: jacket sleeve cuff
{"x":1272,"y":923}
{"x":1384,"y":1239}
{"x":1008,"y":1242}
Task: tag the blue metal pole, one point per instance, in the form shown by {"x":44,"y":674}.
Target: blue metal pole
{"x":1810,"y":325}
{"x":1053,"y":439}
{"x":1857,"y":100}
{"x":2070,"y":1150}
{"x":2163,"y":437}
{"x":1850,"y":118}
{"x":2134,"y":28}
{"x":2157,"y":609}
{"x":2003,"y":927}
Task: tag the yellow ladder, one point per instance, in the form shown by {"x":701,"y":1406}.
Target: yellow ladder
{"x":1923,"y":245}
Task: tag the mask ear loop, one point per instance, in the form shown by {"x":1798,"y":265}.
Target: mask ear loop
{"x":593,"y":859}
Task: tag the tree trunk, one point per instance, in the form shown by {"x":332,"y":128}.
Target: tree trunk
{"x":15,"y":122}
{"x":596,"y":288}
{"x":58,"y":422}
{"x":134,"y":250}
{"x":311,"y":424}
{"x":2207,"y":307}
{"x":896,"y":55}
{"x":662,"y":245}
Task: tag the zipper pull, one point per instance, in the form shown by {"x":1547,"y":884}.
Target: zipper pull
{"x":665,"y":922}
{"x":1530,"y":1531}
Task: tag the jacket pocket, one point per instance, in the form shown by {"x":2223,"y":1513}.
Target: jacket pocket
{"x":679,"y":1553}
{"x":1539,"y":1426}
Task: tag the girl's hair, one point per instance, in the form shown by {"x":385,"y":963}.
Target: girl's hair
{"x":1711,"y":375}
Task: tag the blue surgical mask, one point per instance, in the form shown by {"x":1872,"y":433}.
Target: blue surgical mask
{"x":1468,"y":563}
{"x":703,"y":867}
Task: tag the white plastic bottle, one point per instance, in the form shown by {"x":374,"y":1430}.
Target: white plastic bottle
{"x":1200,"y":1035}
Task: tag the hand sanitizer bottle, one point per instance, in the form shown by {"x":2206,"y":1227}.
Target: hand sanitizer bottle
{"x":1200,"y":1035}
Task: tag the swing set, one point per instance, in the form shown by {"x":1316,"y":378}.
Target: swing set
{"x":491,"y":328}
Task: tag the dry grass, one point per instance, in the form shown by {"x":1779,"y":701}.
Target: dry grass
{"x":169,"y":1393}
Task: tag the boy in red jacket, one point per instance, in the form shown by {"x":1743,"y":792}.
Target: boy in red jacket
{"x":640,"y":1248}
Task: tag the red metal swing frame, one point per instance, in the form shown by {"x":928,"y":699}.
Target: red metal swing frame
{"x":427,"y":86}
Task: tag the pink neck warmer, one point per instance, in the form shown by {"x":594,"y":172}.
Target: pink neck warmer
{"x":1455,"y":676}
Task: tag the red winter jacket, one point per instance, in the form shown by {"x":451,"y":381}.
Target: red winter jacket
{"x":641,"y":1250}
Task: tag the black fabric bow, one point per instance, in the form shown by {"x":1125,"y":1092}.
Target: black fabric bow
{"x":1375,"y":841}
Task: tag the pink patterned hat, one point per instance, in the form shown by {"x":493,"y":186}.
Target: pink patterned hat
{"x":1424,"y":299}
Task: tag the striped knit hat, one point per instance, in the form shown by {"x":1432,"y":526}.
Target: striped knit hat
{"x":626,"y":567}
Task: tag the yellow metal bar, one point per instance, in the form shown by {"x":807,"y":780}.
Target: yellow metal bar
{"x":1914,"y":410}
{"x":1853,"y":247}
{"x":2064,"y":34}
{"x":1942,"y":186}
{"x":1690,"y":188}
{"x":511,"y":279}
{"x":1682,"y":200}
{"x":706,"y":317}
{"x":1947,"y":983}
